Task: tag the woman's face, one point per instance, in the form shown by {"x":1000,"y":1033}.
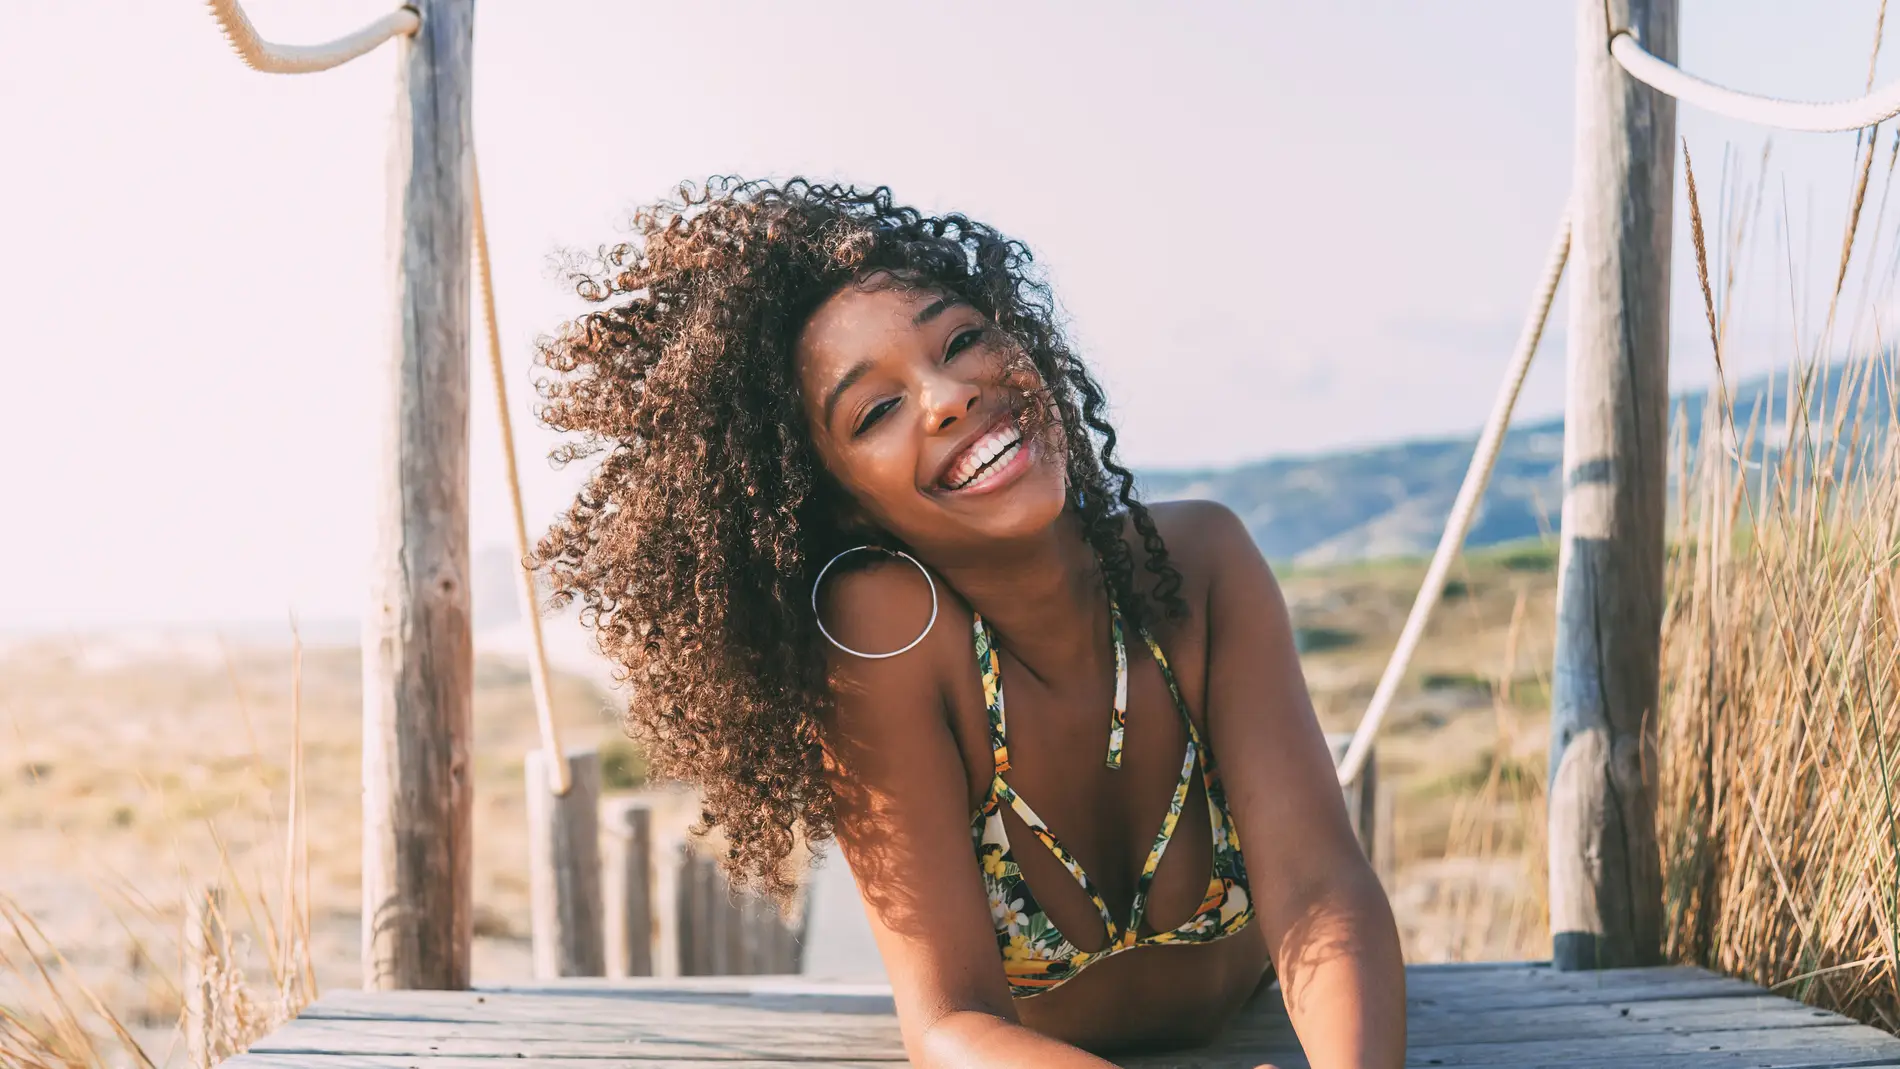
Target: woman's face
{"x":917,"y":405}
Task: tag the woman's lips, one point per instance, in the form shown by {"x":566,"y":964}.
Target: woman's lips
{"x":986,"y":451}
{"x":995,"y":465}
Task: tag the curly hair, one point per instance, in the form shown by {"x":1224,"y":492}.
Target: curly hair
{"x":693,"y":544}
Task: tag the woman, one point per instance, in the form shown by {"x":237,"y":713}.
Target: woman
{"x":853,"y":486}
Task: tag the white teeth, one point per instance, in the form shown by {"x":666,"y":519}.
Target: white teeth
{"x":976,"y":462}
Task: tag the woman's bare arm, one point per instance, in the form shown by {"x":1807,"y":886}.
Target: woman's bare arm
{"x":1327,"y":920}
{"x":903,"y":820}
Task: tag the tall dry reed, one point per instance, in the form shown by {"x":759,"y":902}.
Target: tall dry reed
{"x":243,"y":953}
{"x":1779,"y":740}
{"x":1778,"y":779}
{"x":1491,"y":896}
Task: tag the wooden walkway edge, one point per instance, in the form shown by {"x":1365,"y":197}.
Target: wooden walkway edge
{"x":1503,"y":1014}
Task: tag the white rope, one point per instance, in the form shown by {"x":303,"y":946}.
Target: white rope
{"x":1477,"y":476}
{"x":1877,"y":106}
{"x":259,"y":54}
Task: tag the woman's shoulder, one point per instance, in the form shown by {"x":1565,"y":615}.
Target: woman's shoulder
{"x":1203,"y":539}
{"x":884,"y":604}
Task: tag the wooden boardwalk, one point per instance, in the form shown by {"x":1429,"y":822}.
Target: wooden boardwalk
{"x":1461,"y":1015}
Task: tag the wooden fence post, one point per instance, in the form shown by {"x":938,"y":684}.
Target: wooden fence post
{"x":564,"y":867}
{"x":1362,"y":800}
{"x":670,"y":872}
{"x":721,"y":934}
{"x":1605,"y":878}
{"x":418,"y":659}
{"x":626,"y":848}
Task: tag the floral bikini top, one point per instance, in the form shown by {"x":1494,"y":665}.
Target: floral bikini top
{"x":1036,"y":956}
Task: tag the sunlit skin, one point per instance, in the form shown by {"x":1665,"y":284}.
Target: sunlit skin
{"x":897,"y":382}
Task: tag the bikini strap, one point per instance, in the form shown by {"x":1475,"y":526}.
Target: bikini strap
{"x":1118,"y":714}
{"x":987,"y":668}
{"x":1174,"y":688}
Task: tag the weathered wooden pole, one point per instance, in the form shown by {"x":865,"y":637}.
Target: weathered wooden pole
{"x":627,"y":878}
{"x":564,"y":866}
{"x":1362,"y":797}
{"x":670,"y":891}
{"x":418,"y":656}
{"x":1605,"y":871}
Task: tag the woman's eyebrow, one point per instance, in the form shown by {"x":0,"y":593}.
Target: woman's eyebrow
{"x":934,"y":309}
{"x":845,"y":382}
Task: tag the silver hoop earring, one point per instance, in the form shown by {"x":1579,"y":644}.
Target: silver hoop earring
{"x":856,"y":653}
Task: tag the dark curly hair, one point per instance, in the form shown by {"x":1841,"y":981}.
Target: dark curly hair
{"x":693,"y":545}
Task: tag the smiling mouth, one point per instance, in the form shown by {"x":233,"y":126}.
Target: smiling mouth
{"x":986,"y":458}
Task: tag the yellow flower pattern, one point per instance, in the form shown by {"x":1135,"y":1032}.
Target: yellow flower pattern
{"x":1037,"y":957}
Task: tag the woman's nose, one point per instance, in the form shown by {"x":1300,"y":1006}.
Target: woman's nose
{"x":948,"y":399}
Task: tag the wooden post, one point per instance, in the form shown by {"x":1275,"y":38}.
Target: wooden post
{"x":1605,"y":879}
{"x":627,"y":885}
{"x":699,"y":942}
{"x":205,"y":941}
{"x":670,"y":885}
{"x":564,"y":867}
{"x":418,"y":660}
{"x":1362,"y":797}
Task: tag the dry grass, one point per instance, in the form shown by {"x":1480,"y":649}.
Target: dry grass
{"x":225,"y":999}
{"x":136,"y":773}
{"x":1463,"y":753}
{"x":1779,"y":796}
{"x":1496,"y":832}
{"x":1779,"y":745}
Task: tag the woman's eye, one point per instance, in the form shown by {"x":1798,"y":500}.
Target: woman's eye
{"x":963,"y":340}
{"x":877,"y":412}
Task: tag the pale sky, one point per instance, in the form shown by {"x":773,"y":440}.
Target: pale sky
{"x":1274,"y":227}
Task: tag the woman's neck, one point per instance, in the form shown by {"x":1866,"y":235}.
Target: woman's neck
{"x":1043,"y":600}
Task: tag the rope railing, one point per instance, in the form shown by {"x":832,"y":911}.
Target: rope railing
{"x":1463,"y":510}
{"x":561,"y":775}
{"x":1877,"y":106}
{"x":272,"y":58}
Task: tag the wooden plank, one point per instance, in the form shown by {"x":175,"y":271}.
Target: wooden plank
{"x":447,"y":1007}
{"x":682,"y":1030}
{"x":1212,"y":1061}
{"x":1499,"y":999}
{"x":1710,"y":1050}
{"x":1503,"y":988}
{"x":424,"y":1061}
{"x":720,"y":1035}
{"x":1453,"y":1024}
{"x":1768,"y":1049}
{"x":1553,"y":1056}
{"x":1517,"y":975}
{"x":418,"y":654}
{"x":1605,"y":873}
{"x":554,"y":1006}
{"x":1824,"y":1046}
{"x":1476,"y":1015}
{"x":566,"y":923}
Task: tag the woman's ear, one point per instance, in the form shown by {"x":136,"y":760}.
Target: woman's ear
{"x":846,"y":516}
{"x":855,"y":525}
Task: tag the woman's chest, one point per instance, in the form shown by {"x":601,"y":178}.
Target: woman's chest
{"x":1097,"y":808}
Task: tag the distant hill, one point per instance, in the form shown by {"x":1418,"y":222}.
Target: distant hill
{"x":1393,"y":500}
